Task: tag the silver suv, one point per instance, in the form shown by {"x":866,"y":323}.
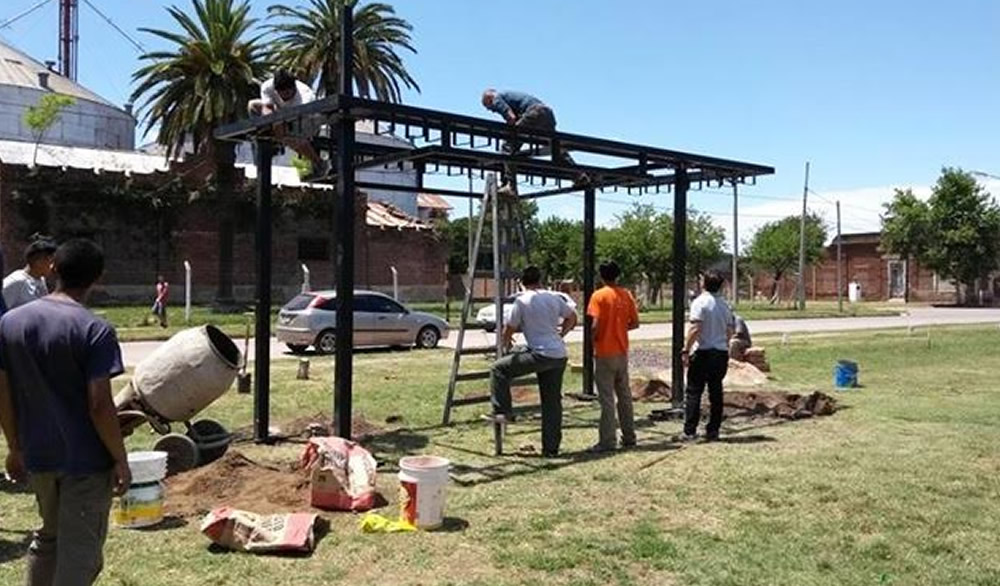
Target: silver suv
{"x":310,"y":319}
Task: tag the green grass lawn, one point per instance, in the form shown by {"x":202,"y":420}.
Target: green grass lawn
{"x":898,"y":488}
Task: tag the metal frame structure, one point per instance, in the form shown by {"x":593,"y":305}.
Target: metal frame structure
{"x":462,"y":146}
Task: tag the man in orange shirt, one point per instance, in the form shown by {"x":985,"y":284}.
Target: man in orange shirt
{"x":613,"y":313}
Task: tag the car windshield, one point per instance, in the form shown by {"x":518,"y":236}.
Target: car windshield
{"x":300,"y":302}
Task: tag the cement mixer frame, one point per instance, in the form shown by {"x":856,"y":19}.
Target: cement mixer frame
{"x":173,"y":386}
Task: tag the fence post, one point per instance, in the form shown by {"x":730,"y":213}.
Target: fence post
{"x":187,"y":292}
{"x":306,"y":284}
{"x":395,"y":283}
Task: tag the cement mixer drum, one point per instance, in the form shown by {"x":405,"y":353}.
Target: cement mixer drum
{"x":184,"y":375}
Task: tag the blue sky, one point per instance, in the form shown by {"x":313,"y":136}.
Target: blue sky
{"x":874,"y":94}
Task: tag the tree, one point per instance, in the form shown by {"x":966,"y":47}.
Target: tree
{"x":905,"y":228}
{"x":308,"y":43}
{"x":557,"y":248}
{"x":704,"y":243}
{"x":963,"y":228}
{"x":204,"y":81}
{"x":775,"y":246}
{"x":641,"y":243}
{"x":40,"y":117}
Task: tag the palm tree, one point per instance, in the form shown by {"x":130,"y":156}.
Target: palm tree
{"x":308,"y":40}
{"x":202,"y":82}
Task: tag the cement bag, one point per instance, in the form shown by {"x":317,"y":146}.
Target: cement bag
{"x":244,"y":531}
{"x":184,"y":375}
{"x":342,"y":474}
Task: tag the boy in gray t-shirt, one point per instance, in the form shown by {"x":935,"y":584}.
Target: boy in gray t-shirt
{"x":545,"y":319}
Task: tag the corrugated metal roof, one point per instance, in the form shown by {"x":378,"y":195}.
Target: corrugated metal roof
{"x":19,"y":69}
{"x":384,"y":215}
{"x":433,"y":202}
{"x":13,"y":152}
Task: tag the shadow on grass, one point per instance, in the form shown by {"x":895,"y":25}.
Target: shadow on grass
{"x":452,"y":525}
{"x":8,"y":487}
{"x":13,"y":549}
{"x":169,"y":523}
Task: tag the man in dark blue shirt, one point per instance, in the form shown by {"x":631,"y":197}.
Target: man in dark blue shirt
{"x":59,"y":419}
{"x":525,"y":111}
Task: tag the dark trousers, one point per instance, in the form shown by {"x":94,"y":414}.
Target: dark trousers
{"x":708,"y":367}
{"x":550,"y":371}
{"x":534,"y":118}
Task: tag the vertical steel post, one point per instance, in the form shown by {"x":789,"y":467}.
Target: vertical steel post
{"x":498,"y":316}
{"x":680,"y":285}
{"x":840,"y":284}
{"x":735,"y":282}
{"x":344,"y":366}
{"x":589,"y":205}
{"x":801,"y":289}
{"x":262,"y":333}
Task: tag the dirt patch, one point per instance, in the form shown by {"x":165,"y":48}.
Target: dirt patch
{"x":650,"y":390}
{"x":239,"y":482}
{"x":775,"y":404}
{"x":318,"y":424}
{"x":650,"y":365}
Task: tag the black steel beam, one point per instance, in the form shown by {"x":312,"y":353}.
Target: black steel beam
{"x":589,"y":212}
{"x":679,"y":285}
{"x":262,"y":331}
{"x":344,"y":365}
{"x":361,"y":185}
{"x":262,"y":125}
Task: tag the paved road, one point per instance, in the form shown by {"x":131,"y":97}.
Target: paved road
{"x":915,"y":316}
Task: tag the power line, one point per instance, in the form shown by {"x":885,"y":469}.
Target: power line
{"x":18,"y":17}
{"x":139,"y":46}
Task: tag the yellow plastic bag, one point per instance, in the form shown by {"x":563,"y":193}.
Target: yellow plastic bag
{"x":374,"y":523}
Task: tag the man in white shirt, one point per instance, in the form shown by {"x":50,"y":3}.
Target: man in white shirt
{"x":28,"y":283}
{"x":706,"y":354}
{"x":284,"y":91}
{"x":544,"y":318}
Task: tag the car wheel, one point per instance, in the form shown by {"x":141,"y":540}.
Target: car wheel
{"x":428,"y":337}
{"x":326,"y":342}
{"x":297,"y":348}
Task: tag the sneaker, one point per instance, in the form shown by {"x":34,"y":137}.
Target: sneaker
{"x":507,"y":191}
{"x":600,"y":449}
{"x":685,"y":438}
{"x":628,"y":445}
{"x":710,"y":438}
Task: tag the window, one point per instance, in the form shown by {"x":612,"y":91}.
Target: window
{"x":314,"y":249}
{"x":385,"y":305}
{"x":300,"y":302}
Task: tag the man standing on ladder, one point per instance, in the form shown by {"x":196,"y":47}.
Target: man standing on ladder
{"x":545,"y":319}
{"x":522,"y":111}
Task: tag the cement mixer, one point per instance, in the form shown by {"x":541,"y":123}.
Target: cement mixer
{"x":172,"y":385}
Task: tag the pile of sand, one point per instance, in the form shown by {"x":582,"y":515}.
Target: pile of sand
{"x":237,"y":481}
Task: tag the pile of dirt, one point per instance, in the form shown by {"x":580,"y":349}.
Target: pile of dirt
{"x":654,"y":365}
{"x":781,"y":405}
{"x":237,"y":481}
{"x":650,"y":390}
{"x":318,"y":424}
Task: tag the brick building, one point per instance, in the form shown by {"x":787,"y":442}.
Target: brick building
{"x":149,"y":224}
{"x":882,"y":277}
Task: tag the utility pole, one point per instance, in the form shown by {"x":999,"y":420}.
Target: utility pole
{"x":736,"y":242}
{"x":802,"y":245}
{"x":840,"y":284}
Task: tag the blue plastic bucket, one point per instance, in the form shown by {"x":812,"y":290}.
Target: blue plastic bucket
{"x":845,"y":374}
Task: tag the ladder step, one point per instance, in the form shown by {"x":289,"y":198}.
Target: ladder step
{"x":476,"y":400}
{"x":525,"y":381}
{"x":480,"y":350}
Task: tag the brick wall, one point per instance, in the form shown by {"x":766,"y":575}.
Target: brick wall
{"x":139,"y":245}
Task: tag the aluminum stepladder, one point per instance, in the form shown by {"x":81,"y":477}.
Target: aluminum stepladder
{"x":503,"y":210}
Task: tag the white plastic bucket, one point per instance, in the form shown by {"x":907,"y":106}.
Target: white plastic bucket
{"x":142,"y":505}
{"x":147,"y":467}
{"x":423,"y":481}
